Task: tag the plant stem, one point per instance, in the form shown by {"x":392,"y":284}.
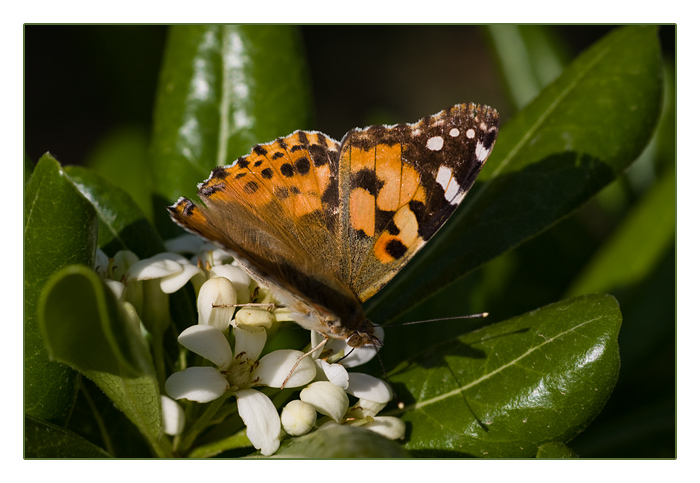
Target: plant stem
{"x":200,"y":424}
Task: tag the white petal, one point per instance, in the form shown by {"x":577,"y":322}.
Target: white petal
{"x":298,"y":417}
{"x":334,"y":373}
{"x":117,"y":288}
{"x":216,"y":291}
{"x":219,"y":256}
{"x":261,"y":419}
{"x":236,"y":275}
{"x":123,"y":260}
{"x":275,"y":367}
{"x":316,"y":339}
{"x":360,"y":355}
{"x":249,"y":342}
{"x":285,"y":314}
{"x":173,"y":416}
{"x":186,"y":243}
{"x":388,"y":426}
{"x":326,"y":398}
{"x":101,"y":264}
{"x":149,"y":268}
{"x":175,"y":257}
{"x":370,"y":408}
{"x":208,"y":342}
{"x":369,"y":387}
{"x":200,"y":384}
{"x":173,"y":283}
{"x":255,"y":318}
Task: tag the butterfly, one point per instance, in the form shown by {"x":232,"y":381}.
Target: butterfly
{"x":327,"y":224}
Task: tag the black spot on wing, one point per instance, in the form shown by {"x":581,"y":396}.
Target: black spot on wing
{"x":367,"y":179}
{"x":211,"y":189}
{"x":302,"y":165}
{"x":396,"y":249}
{"x":287,"y":170}
{"x":219,"y":173}
{"x":251,"y":187}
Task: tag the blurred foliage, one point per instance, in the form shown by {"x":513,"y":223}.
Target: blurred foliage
{"x":621,"y":242}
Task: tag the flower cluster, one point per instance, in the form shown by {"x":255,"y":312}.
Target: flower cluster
{"x":236,"y":318}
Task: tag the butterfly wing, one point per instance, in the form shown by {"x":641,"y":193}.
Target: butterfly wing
{"x":399,"y":184}
{"x":276,"y":210}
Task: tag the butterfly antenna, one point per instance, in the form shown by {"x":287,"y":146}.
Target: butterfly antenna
{"x":338,"y":361}
{"x":399,"y":402}
{"x":472,"y":316}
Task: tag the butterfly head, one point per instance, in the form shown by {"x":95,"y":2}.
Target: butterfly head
{"x":364,"y":338}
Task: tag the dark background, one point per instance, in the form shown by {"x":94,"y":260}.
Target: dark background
{"x":83,"y":83}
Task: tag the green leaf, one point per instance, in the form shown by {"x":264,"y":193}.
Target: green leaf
{"x":28,"y":169}
{"x":504,"y":390}
{"x":341,"y":442}
{"x":46,"y":440}
{"x":122,"y":157}
{"x":577,"y":136}
{"x":122,"y":224}
{"x":60,"y":228}
{"x":555,"y":450}
{"x":222,"y":90}
{"x":235,"y":441}
{"x":86,"y":328}
{"x":529,"y":56}
{"x":637,"y":246}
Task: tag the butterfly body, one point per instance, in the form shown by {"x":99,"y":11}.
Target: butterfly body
{"x":327,"y":224}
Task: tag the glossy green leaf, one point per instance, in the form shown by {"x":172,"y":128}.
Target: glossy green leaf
{"x":637,"y":246}
{"x":529,"y":56}
{"x":555,"y":154}
{"x":85,"y":327}
{"x":222,"y":90}
{"x":122,"y":158}
{"x":60,"y":228}
{"x":555,"y":450}
{"x":122,"y":224}
{"x":28,"y":169}
{"x":341,"y":442}
{"x":506,"y":389}
{"x":46,"y":440}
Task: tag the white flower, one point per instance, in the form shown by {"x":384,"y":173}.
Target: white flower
{"x":326,"y":398}
{"x":388,"y":426}
{"x":172,"y":270}
{"x":173,"y":416}
{"x":238,"y":372}
{"x":253,"y":317}
{"x":355,"y":356}
{"x":101,"y":264}
{"x":186,"y":243}
{"x":215,"y":303}
{"x":238,"y":278}
{"x":298,"y":417}
{"x":373,"y":393}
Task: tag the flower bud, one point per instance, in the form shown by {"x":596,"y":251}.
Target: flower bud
{"x":298,"y":417}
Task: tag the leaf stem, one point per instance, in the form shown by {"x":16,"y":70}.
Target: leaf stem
{"x":200,"y":424}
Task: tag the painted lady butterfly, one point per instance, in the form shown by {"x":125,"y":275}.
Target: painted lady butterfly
{"x":326,"y":225}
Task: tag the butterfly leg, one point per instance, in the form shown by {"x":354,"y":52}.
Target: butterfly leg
{"x":269,"y":307}
{"x":320,"y":344}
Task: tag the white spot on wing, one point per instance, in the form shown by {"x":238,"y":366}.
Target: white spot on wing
{"x":470,"y":133}
{"x":444,"y":176}
{"x":454,"y":132}
{"x":448,"y":183}
{"x":451,"y":191}
{"x":435,"y":143}
{"x":481,"y":152}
